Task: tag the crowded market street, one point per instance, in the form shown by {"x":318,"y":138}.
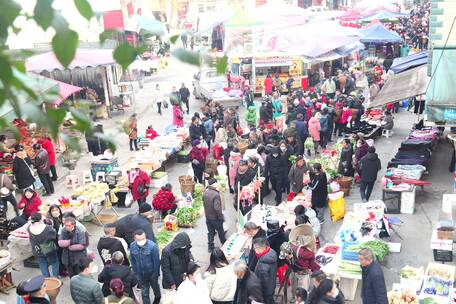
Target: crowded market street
{"x":252,"y":165}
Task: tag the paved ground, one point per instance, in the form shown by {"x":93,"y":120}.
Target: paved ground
{"x":416,"y":230}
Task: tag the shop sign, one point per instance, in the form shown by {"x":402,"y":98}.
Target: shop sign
{"x":280,"y":61}
{"x":449,"y":114}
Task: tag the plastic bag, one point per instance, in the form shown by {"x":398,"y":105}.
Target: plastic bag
{"x":337,"y":209}
{"x":309,"y":144}
{"x":128,"y":199}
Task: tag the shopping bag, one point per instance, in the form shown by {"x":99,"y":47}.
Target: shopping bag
{"x":337,"y":208}
{"x":128,"y":199}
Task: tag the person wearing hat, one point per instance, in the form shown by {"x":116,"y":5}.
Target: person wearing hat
{"x":42,"y":240}
{"x":83,"y":286}
{"x":198,"y":156}
{"x":139,"y":183}
{"x":275,"y":170}
{"x":36,"y":288}
{"x":214,"y":214}
{"x":109,"y":243}
{"x":73,"y":242}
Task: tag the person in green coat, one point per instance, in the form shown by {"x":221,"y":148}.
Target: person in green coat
{"x":276,"y":107}
{"x":251,"y":116}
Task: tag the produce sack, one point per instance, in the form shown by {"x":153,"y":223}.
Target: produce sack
{"x":336,"y":205}
{"x":309,"y":144}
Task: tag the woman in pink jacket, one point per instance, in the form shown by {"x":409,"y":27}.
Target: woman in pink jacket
{"x":233,"y":165}
{"x":314,"y":130}
{"x":178,"y":116}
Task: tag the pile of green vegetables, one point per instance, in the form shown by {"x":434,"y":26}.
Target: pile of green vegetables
{"x":350,"y":267}
{"x":163,"y":238}
{"x":187,"y":216}
{"x":379,"y":248}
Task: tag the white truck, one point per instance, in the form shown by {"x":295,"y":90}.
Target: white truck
{"x":208,"y":85}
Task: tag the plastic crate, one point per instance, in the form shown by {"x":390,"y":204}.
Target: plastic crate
{"x":392,"y":200}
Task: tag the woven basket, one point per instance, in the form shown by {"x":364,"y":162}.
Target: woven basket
{"x":185,"y":178}
{"x":346,"y":191}
{"x":345,"y":182}
{"x":187,"y":187}
{"x":212,"y":164}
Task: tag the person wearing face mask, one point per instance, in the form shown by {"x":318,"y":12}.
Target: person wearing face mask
{"x":275,"y":170}
{"x":73,"y":242}
{"x":328,"y":293}
{"x":83,"y":287}
{"x":193,"y":289}
{"x":145,"y":261}
{"x":175,"y":259}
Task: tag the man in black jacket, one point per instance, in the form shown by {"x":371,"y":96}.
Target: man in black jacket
{"x":373,"y":289}
{"x":214,"y":215}
{"x":266,"y":268}
{"x":109,"y":243}
{"x":126,"y":226}
{"x":119,"y":270}
{"x":265,"y":115}
{"x":185,"y":95}
{"x":195,"y":130}
{"x":275,"y":170}
{"x":248,"y":285}
{"x":369,"y":167}
{"x":174,"y":261}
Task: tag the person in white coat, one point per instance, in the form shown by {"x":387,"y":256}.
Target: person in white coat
{"x":193,"y":290}
{"x":220,"y":278}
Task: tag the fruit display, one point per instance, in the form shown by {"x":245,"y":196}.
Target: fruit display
{"x":402,"y":297}
{"x":438,"y":282}
{"x":411,"y":273}
{"x":94,"y":192}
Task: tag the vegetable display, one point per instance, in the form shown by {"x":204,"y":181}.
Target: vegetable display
{"x":379,"y":248}
{"x":187,"y":216}
{"x":163,"y":237}
{"x":402,"y":297}
{"x":438,"y":283}
{"x":350,"y":267}
{"x":411,"y":273}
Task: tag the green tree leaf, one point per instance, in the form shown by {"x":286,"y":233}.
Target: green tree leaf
{"x":173,"y":38}
{"x":222,"y":64}
{"x":84,"y":8}
{"x":189,"y":57}
{"x":83,"y":123}
{"x":108,"y":139}
{"x":6,"y":72}
{"x":56,"y":117}
{"x":43,"y":13}
{"x":108,"y":34}
{"x":8,"y":13}
{"x":125,"y":54}
{"x":64,"y":44}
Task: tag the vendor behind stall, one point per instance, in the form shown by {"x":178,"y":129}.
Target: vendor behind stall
{"x":139,"y":183}
{"x":3,"y":146}
{"x":165,"y":201}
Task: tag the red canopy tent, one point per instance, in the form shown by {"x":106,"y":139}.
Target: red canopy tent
{"x":65,"y":90}
{"x":83,"y":58}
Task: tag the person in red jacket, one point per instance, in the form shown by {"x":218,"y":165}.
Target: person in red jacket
{"x":139,"y":184}
{"x":268,"y":85}
{"x":198,"y":156}
{"x":46,"y":144}
{"x":30,"y":202}
{"x":151,"y":133}
{"x":164,"y":200}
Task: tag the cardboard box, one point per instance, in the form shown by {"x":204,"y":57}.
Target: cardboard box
{"x":445,"y":235}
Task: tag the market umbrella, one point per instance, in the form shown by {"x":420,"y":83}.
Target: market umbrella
{"x":318,"y":45}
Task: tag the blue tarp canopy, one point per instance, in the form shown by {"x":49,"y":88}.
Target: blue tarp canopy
{"x":378,"y":34}
{"x":408,"y":62}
